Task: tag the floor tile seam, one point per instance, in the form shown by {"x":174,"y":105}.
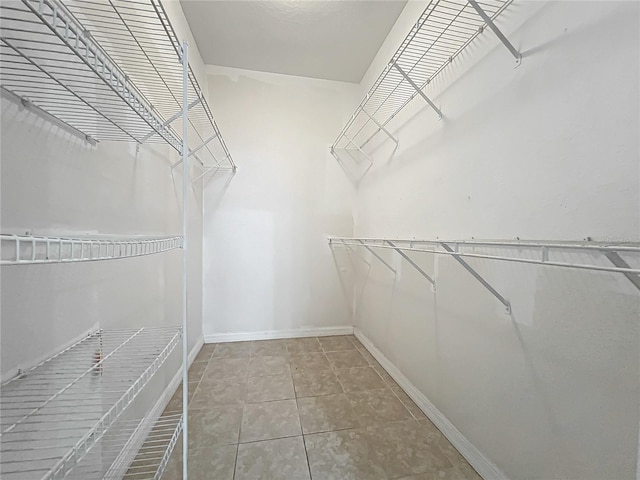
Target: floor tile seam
{"x":240,"y":442}
{"x":306,"y":453}
{"x":235,"y":463}
{"x":398,"y":397}
{"x":271,"y":401}
{"x":333,"y":430}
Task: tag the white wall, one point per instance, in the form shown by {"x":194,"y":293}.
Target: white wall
{"x":266,"y":263}
{"x":548,"y":150}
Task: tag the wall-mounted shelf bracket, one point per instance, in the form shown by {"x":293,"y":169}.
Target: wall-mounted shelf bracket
{"x":358,"y":147}
{"x":619,"y":262}
{"x":380,"y":127}
{"x":418,"y":89}
{"x":478,"y":277}
{"x":171,"y":119}
{"x":496,"y":30}
{"x":413,"y":264}
{"x":204,"y":144}
{"x":377,"y":256}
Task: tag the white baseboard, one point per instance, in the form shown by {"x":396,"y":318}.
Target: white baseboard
{"x":278,"y":334}
{"x":485,"y":467}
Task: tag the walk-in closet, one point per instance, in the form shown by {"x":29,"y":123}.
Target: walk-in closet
{"x":319,"y":240}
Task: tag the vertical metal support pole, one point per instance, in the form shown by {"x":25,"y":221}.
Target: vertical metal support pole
{"x":185,"y":262}
{"x":417,"y":89}
{"x":496,"y":30}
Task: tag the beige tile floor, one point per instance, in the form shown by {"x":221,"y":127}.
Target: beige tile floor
{"x":306,"y":408}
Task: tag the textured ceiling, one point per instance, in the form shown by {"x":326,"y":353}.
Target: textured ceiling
{"x":334,"y":40}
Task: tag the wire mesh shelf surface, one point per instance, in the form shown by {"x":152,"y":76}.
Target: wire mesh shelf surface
{"x":443,"y":30}
{"x":28,"y":249}
{"x":54,"y":414}
{"x":109,"y":69}
{"x":606,"y":257}
{"x":152,"y":446}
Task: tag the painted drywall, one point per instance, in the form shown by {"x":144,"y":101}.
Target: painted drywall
{"x":266,"y":265}
{"x":548,"y":150}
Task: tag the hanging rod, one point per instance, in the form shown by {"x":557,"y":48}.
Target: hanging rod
{"x":443,"y":31}
{"x":30,"y":249}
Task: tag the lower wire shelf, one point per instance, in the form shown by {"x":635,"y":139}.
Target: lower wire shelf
{"x":54,"y":415}
{"x":113,"y":459}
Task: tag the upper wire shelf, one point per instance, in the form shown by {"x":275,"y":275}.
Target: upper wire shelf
{"x":110,"y":70}
{"x":443,"y":30}
{"x":53,"y":415}
{"x":29,"y":249}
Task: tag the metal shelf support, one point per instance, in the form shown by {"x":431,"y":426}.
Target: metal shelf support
{"x":380,"y":127}
{"x":377,"y":256}
{"x":170,"y":120}
{"x":478,"y":277}
{"x":358,"y":147}
{"x":417,"y":89}
{"x":619,"y":262}
{"x":413,"y":264}
{"x":496,"y":30}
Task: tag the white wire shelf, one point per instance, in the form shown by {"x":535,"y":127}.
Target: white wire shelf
{"x":110,"y":70}
{"x":601,"y":257}
{"x":29,"y":249}
{"x":112,"y":457}
{"x":55,"y":413}
{"x":443,"y":30}
{"x":510,"y":251}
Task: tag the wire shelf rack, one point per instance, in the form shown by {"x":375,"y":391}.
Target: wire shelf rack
{"x":601,"y":257}
{"x":443,"y":30}
{"x":541,"y":253}
{"x":54,"y":414}
{"x":110,"y":69}
{"x":111,"y":458}
{"x":153,"y":457}
{"x":29,"y":249}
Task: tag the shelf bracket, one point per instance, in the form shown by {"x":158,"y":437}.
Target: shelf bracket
{"x":203,"y":144}
{"x":496,"y":30}
{"x":478,"y":277}
{"x":377,"y":256}
{"x":358,"y":147}
{"x":619,"y":262}
{"x":417,"y":89}
{"x":380,"y":127}
{"x":170,"y":120}
{"x":413,"y":264}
